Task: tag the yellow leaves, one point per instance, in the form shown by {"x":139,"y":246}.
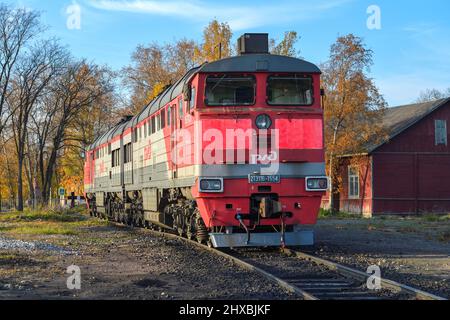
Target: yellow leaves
{"x":157,"y":89}
{"x":216,"y":43}
{"x":353,"y":106}
{"x":70,"y":171}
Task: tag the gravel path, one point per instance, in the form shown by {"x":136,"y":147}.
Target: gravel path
{"x":408,"y":258}
{"x":12,"y":244}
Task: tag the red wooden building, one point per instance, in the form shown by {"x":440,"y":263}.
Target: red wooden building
{"x":409,"y":173}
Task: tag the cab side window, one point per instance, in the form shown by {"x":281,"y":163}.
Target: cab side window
{"x":192,"y":102}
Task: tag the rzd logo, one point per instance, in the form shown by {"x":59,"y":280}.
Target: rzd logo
{"x":264,"y":158}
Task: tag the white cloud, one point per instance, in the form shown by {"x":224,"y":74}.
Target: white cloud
{"x":401,"y":89}
{"x":422,"y":65}
{"x":238,"y":16}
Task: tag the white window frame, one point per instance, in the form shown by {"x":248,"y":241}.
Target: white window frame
{"x":351,"y":181}
{"x":436,"y":142}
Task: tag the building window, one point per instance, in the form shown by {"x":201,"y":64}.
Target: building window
{"x":440,"y":132}
{"x":353,"y":183}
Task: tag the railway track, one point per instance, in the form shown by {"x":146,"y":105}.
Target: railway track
{"x":310,"y":277}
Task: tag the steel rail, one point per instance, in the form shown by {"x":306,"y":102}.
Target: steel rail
{"x":353,"y":273}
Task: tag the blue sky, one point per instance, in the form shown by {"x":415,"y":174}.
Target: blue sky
{"x":412,"y":48}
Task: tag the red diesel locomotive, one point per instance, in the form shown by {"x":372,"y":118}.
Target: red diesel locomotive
{"x":231,"y":155}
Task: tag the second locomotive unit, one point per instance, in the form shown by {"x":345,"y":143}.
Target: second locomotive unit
{"x":231,"y":155}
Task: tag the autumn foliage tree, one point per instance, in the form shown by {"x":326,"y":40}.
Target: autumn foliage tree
{"x":216,"y":43}
{"x":286,"y":47}
{"x":353,"y":105}
{"x":155,"y":66}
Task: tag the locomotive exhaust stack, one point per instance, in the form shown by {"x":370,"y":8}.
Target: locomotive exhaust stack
{"x":253,"y":43}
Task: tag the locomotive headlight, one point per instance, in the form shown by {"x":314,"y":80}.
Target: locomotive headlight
{"x":317,"y":184}
{"x":263,"y":122}
{"x":211,"y":185}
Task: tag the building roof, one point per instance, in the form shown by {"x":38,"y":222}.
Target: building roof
{"x":398,"y":119}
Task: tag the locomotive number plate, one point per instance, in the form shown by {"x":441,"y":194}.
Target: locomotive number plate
{"x":264,"y":179}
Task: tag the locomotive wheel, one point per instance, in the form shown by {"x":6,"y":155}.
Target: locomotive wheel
{"x":202,"y":233}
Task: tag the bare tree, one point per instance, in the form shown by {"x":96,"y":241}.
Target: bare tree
{"x":34,"y":72}
{"x":432,"y":95}
{"x":17,"y":28}
{"x":80,"y":88}
{"x":286,"y":47}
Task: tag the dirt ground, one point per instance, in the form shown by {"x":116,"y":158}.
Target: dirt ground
{"x":413,"y":251}
{"x":118,"y":263}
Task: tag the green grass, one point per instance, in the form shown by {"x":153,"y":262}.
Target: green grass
{"x":431,"y":226}
{"x":435,"y":218}
{"x":444,"y":236}
{"x":329,"y":214}
{"x":46,"y":222}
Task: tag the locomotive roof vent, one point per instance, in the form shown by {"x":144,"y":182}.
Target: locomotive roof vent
{"x":252,"y":43}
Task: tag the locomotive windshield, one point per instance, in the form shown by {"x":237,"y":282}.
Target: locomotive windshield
{"x":230,"y":90}
{"x":292,"y":90}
